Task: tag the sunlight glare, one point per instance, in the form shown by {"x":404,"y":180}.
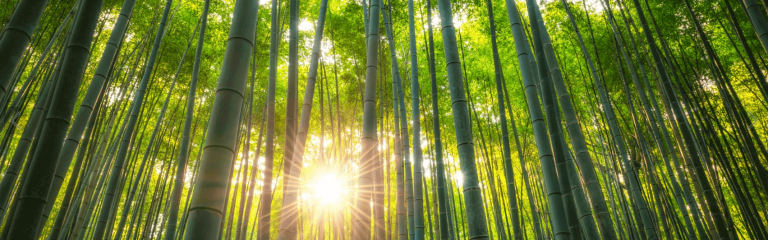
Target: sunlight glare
{"x":306,"y":25}
{"x":328,"y":189}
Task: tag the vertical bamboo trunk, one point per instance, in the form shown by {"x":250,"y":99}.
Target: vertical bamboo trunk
{"x":29,"y":149}
{"x":245,"y":208}
{"x":758,"y":21}
{"x":11,"y":173}
{"x":265,"y":209}
{"x":586,"y":170}
{"x":430,"y":229}
{"x":16,"y":37}
{"x":208,"y":199}
{"x":521,"y":157}
{"x":476,"y":221}
{"x":362,"y":214}
{"x":404,"y":146}
{"x":15,"y":105}
{"x":181,"y":162}
{"x":249,"y":204}
{"x":34,"y":190}
{"x":132,"y":191}
{"x":495,"y":206}
{"x":93,"y":95}
{"x":109,"y":200}
{"x":402,"y":223}
{"x":183,"y":223}
{"x":380,"y":190}
{"x":551,"y":181}
{"x":245,"y":157}
{"x":401,"y":142}
{"x":63,"y":166}
{"x":230,"y":202}
{"x":418,"y":192}
{"x":508,"y":171}
{"x":365,"y":15}
{"x":88,"y":139}
{"x":289,"y":215}
{"x":442,"y":198}
{"x":292,"y":101}
{"x":699,"y":172}
{"x":578,"y":216}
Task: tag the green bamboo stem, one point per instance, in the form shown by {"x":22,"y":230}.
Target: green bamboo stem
{"x":536,"y":218}
{"x":34,"y":190}
{"x":418,"y":179}
{"x":509,"y":173}
{"x":289,"y":216}
{"x":265,"y":205}
{"x":16,"y":37}
{"x":685,"y":130}
{"x":446,"y":227}
{"x":362,"y":216}
{"x":181,"y":162}
{"x":22,"y":146}
{"x":22,"y":93}
{"x":586,"y":170}
{"x":208,"y":199}
{"x":476,"y":221}
{"x":527,"y":69}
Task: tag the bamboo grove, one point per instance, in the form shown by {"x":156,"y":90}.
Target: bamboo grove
{"x":383,"y":119}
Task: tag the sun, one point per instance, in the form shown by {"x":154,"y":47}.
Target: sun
{"x":328,"y":189}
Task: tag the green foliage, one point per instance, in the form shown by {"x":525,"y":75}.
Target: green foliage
{"x":728,"y":167}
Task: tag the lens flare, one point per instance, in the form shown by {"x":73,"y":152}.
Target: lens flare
{"x":328,"y":189}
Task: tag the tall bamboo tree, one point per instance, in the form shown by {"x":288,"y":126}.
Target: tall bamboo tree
{"x":361,"y":227}
{"x":122,"y":153}
{"x":586,"y":170}
{"x":508,"y":171}
{"x":22,"y":146}
{"x":402,"y":222}
{"x":289,"y":216}
{"x":33,"y":193}
{"x":92,"y":98}
{"x":292,"y":101}
{"x":656,"y":113}
{"x":15,"y":105}
{"x":527,"y":70}
{"x":668,"y":92}
{"x":16,"y":37}
{"x":14,"y":167}
{"x":208,"y":199}
{"x":475,"y":218}
{"x":534,"y":209}
{"x":242,"y":223}
{"x":442,"y":198}
{"x":758,"y":21}
{"x":178,"y":185}
{"x":151,"y":143}
{"x":265,"y":209}
{"x":578,"y":216}
{"x":402,"y":123}
{"x":418,"y":192}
